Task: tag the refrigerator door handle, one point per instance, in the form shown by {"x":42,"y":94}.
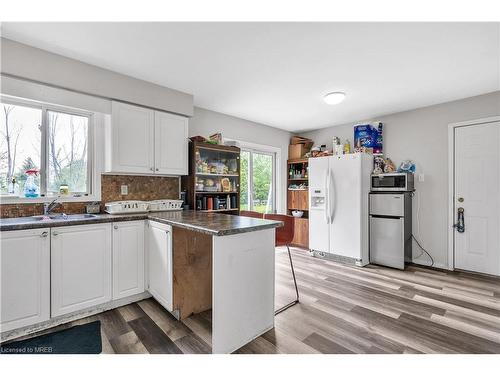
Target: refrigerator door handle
{"x":327,"y":178}
{"x":331,"y":194}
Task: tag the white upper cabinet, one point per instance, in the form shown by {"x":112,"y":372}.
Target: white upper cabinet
{"x":131,"y":136}
{"x":171,"y":145}
{"x":25,"y":272}
{"x":128,"y":258}
{"x":80,"y":267}
{"x":144,"y":141}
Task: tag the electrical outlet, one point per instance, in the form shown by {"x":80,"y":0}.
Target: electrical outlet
{"x":421,"y":177}
{"x":124,"y":189}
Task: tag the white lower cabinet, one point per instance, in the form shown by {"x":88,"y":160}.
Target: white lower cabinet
{"x":128,"y":258}
{"x":25,"y":278}
{"x":80,"y":267}
{"x":160,"y":263}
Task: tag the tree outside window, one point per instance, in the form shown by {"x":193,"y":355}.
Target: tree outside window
{"x":256,"y":181}
{"x":22,"y":130}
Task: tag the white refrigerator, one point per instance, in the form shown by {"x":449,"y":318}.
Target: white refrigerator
{"x":338,"y":206}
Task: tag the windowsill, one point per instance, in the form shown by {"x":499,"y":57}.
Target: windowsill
{"x":20,"y":200}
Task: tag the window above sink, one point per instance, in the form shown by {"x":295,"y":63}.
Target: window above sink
{"x":57,"y":142}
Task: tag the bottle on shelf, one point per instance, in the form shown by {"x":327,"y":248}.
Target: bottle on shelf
{"x":31,"y":189}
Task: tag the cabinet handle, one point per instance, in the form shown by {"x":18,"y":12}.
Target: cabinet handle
{"x":151,"y":169}
{"x":55,"y":234}
{"x":44,"y":234}
{"x":116,"y":227}
{"x":157,"y":169}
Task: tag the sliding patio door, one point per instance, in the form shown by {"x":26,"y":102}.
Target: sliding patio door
{"x":258,"y":181}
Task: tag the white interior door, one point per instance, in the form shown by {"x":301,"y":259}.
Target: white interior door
{"x":477,"y":191}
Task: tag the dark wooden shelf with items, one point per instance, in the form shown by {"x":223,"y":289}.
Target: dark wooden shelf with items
{"x":213,"y":183}
{"x":298,"y":199}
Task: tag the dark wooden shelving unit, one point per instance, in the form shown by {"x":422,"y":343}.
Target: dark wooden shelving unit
{"x":199,"y":181}
{"x":298,"y":199}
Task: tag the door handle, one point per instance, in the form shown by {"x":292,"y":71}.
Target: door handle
{"x":460,"y":224}
{"x":327,"y":198}
{"x":332,"y":197}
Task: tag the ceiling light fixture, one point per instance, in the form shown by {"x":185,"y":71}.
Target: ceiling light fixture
{"x":333,"y":98}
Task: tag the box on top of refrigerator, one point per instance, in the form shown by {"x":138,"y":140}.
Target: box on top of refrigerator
{"x":365,"y":136}
{"x":369,"y":137}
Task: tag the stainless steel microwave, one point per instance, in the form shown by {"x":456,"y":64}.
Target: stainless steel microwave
{"x":392,"y":182}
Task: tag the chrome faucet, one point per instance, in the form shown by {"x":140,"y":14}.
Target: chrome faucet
{"x":48,"y":207}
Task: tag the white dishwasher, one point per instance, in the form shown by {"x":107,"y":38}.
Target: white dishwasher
{"x":390,"y":229}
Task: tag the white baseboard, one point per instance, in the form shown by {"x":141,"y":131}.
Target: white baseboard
{"x":19,"y":332}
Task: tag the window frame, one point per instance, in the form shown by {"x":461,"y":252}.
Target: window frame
{"x":275,"y":153}
{"x":93,"y":175}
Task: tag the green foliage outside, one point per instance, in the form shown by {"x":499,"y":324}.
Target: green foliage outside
{"x":262,"y":181}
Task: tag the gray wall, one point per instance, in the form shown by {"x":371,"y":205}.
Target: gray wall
{"x":422,"y":136}
{"x":205,"y":122}
{"x":20,"y":60}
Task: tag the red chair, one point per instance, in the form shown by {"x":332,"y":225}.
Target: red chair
{"x":284,"y":237}
{"x":254,"y":214}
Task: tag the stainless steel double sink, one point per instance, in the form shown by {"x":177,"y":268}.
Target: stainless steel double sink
{"x":59,"y":217}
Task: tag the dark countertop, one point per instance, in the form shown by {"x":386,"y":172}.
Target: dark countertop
{"x":211,"y":223}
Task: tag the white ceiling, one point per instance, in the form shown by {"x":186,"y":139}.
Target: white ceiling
{"x":277,"y":73}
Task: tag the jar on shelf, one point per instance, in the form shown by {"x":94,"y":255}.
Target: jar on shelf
{"x":64,"y":189}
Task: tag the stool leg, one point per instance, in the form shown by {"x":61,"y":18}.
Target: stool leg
{"x":280,"y":310}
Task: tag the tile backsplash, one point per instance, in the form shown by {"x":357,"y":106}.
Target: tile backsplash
{"x":144,"y":188}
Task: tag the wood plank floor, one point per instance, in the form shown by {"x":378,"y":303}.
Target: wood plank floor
{"x":343,"y":309}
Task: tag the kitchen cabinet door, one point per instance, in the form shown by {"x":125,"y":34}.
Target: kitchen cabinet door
{"x":160,"y":263}
{"x":81,"y":267}
{"x":128,"y":258}
{"x":292,"y":201}
{"x":301,"y":232}
{"x":171,"y":144}
{"x":302,"y":200}
{"x":130,"y":140}
{"x":25,"y":277}
{"x":298,"y":200}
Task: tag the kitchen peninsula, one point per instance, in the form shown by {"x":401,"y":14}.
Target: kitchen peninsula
{"x":194,"y":261}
